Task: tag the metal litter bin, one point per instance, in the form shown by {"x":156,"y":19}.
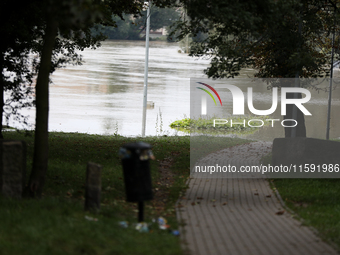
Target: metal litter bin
{"x":136,"y":170}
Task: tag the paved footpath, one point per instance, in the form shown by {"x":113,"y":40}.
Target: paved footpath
{"x":241,"y":215}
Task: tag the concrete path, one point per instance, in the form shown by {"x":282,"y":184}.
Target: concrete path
{"x":241,"y":215}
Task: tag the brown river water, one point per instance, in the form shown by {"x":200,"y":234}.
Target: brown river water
{"x":105,"y":94}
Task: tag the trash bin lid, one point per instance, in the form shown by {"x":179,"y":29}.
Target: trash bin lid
{"x":137,"y":146}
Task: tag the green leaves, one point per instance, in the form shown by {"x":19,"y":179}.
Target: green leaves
{"x":278,"y":38}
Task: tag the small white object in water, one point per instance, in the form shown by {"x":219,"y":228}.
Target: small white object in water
{"x":150,"y":105}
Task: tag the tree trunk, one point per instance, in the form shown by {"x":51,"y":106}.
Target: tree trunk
{"x":40,"y":156}
{"x":300,"y":118}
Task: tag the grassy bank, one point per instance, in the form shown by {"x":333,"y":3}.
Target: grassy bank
{"x":316,"y":202}
{"x":58,"y":224}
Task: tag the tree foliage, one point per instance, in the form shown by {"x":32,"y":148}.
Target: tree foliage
{"x":130,"y":27}
{"x":161,"y":17}
{"x":18,"y":31}
{"x":276,"y":37}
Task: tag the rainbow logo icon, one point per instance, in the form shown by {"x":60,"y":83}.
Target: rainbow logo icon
{"x":213,"y":90}
{"x":204,"y":100}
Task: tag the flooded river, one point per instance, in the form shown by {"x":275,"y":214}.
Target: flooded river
{"x":105,"y":94}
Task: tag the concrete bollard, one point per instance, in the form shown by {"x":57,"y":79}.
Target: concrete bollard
{"x":93,"y":186}
{"x":12,"y":168}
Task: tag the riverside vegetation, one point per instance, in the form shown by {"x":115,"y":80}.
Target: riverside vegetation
{"x":206,"y":125}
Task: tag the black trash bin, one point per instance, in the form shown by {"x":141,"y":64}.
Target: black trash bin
{"x":136,"y":170}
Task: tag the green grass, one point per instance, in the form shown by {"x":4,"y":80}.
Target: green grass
{"x":56,"y":226}
{"x":316,"y":202}
{"x":56,"y":223}
{"x":8,"y":127}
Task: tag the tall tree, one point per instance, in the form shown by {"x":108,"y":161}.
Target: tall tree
{"x":72,"y":22}
{"x":68,"y":27}
{"x":40,"y":157}
{"x":279,"y":38}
